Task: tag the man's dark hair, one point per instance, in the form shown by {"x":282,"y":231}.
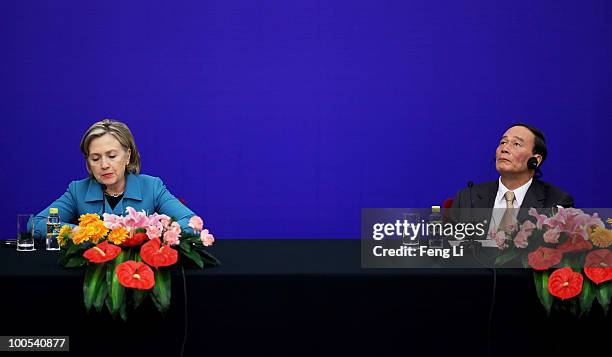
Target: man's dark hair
{"x":539,"y":146}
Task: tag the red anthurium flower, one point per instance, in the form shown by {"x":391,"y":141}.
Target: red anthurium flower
{"x":565,"y":283}
{"x":575,"y":244}
{"x":158,"y":255}
{"x":135,"y":275}
{"x":135,"y":240}
{"x":598,"y":265}
{"x":543,"y":258}
{"x":102,"y":252}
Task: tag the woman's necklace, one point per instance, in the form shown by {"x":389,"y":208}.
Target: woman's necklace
{"x":115,"y":195}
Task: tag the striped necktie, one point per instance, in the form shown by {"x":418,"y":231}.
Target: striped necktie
{"x":508,"y":218}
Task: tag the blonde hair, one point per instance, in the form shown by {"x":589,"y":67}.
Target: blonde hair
{"x":119,"y":131}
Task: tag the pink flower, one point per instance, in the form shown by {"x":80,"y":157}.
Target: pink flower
{"x":164,"y":220}
{"x":528,"y":226}
{"x":511,"y":227}
{"x":196,"y":223}
{"x":551,"y":236}
{"x":540,"y":218}
{"x":558,"y":220}
{"x":175,"y":227}
{"x":207,"y":238}
{"x":171,"y":237}
{"x":520,"y":241}
{"x":135,"y":219}
{"x":112,"y":221}
{"x":153,"y":231}
{"x":499,"y":238}
{"x":521,"y":238}
{"x":594,"y":221}
{"x":572,"y":221}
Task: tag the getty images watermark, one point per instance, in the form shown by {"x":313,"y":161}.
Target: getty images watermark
{"x":481,"y":237}
{"x":421,"y":238}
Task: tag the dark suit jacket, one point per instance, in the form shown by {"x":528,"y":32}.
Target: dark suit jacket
{"x":539,"y":195}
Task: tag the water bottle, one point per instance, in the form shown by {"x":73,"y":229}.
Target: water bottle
{"x":53,"y":229}
{"x":435,"y":235}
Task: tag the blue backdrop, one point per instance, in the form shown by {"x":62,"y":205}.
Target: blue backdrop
{"x":285,"y":118}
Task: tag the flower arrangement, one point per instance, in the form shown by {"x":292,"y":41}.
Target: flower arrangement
{"x":130,"y":257}
{"x":562,"y":248}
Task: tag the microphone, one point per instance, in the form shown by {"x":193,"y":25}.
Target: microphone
{"x":103,"y":199}
{"x":470,"y":184}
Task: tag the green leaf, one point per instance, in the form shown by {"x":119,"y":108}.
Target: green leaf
{"x":98,"y":302}
{"x":572,"y":306}
{"x":194,"y":257}
{"x":161,"y":292}
{"x":123,"y":312}
{"x":63,"y":259}
{"x":525,"y":260}
{"x":540,"y":277}
{"x":209,"y":259}
{"x":116,"y":292}
{"x":185,"y":245}
{"x":506,"y":257}
{"x":77,"y":261}
{"x":138,"y":295}
{"x":95,"y":276}
{"x":74,"y":250}
{"x":604,"y":294}
{"x":586,"y":296}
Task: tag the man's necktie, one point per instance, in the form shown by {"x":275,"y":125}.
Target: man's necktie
{"x":508,"y":218}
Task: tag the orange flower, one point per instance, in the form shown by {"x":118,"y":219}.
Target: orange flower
{"x":82,"y":234}
{"x":87,"y":219}
{"x":601,"y":237}
{"x":118,"y":235}
{"x":99,"y":231}
{"x":64,"y":234}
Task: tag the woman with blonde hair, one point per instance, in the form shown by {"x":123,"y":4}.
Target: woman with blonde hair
{"x":114,"y":181}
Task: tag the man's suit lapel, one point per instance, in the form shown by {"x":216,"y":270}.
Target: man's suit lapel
{"x":485,"y":195}
{"x":485,"y":199}
{"x":535,"y":197}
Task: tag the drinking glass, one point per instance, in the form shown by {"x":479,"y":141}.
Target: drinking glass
{"x":25,"y":236}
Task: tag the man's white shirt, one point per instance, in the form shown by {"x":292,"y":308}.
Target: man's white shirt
{"x":499,"y":207}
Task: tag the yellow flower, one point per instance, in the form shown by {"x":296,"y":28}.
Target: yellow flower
{"x":64,"y":234}
{"x":601,"y":237}
{"x":99,"y":231}
{"x":82,"y":234}
{"x":118,"y":235}
{"x":87,"y":219}
{"x":609,"y":220}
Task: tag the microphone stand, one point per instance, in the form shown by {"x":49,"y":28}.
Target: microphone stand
{"x":471,"y":242}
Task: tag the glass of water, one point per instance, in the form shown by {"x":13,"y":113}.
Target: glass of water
{"x":25,"y":236}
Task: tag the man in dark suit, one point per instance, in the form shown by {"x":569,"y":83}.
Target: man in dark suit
{"x":518,"y":158}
